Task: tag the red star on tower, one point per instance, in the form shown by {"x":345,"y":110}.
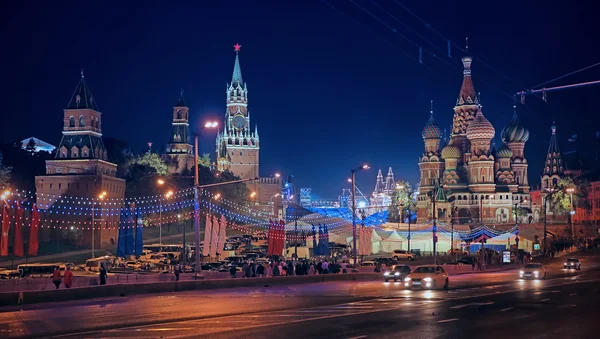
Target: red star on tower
{"x":237,"y":47}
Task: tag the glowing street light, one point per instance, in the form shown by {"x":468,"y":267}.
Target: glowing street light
{"x":217,"y":196}
{"x":277,"y":175}
{"x":101,"y":196}
{"x":570,"y":190}
{"x":160,"y":182}
{"x":353,"y":181}
{"x":211,"y":124}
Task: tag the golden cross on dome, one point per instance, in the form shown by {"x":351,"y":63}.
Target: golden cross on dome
{"x":237,"y":47}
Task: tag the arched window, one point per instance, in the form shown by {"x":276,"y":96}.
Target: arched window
{"x":98,"y":123}
{"x":72,"y":121}
{"x":81,"y":121}
{"x":179,"y":114}
{"x":554,"y":182}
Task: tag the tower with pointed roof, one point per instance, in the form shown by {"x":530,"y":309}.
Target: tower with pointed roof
{"x":180,"y":151}
{"x":477,"y":183}
{"x":238,"y":143}
{"x":81,"y":168}
{"x":390,"y":184}
{"x":379,"y":185}
{"x":553,"y":167}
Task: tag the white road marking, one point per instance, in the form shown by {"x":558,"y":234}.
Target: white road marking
{"x":471,"y":304}
{"x":447,"y":320}
{"x":572,"y":294}
{"x":359,"y":337}
{"x":506,"y":309}
{"x":545,"y":299}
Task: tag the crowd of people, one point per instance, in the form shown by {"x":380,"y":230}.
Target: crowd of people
{"x":278,"y":268}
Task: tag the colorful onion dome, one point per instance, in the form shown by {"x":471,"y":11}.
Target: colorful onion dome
{"x":451,"y":152}
{"x":480,"y":128}
{"x":431,"y":129}
{"x":504,"y":152}
{"x":514,"y":131}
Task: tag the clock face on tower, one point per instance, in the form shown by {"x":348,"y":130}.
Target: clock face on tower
{"x":238,"y":121}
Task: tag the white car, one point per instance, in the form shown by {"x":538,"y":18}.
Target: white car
{"x":402,"y":254}
{"x":429,"y":276}
{"x":572,"y":263}
{"x":533,"y":271}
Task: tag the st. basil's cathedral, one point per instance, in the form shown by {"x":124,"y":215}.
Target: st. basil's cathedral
{"x":470,"y":180}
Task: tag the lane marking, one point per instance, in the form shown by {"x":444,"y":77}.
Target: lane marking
{"x":546,"y":299}
{"x":447,"y":320}
{"x":359,"y":337}
{"x":572,"y":294}
{"x":507,"y":309}
{"x":472,"y":304}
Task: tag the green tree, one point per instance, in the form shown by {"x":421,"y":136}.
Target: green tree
{"x":152,"y":160}
{"x":402,"y":196}
{"x":5,"y":172}
{"x":560,"y":199}
{"x":204,"y":160}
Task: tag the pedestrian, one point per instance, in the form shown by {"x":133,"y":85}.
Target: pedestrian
{"x":325,"y":267}
{"x":56,"y":277}
{"x":280,"y":267}
{"x":232,"y":270}
{"x":260,"y":271}
{"x":290,"y":269}
{"x":311,"y":269}
{"x":276,"y":270}
{"x":344,"y":267}
{"x":253,"y":269}
{"x":69,"y":278}
{"x":102,"y":275}
{"x":177,"y":271}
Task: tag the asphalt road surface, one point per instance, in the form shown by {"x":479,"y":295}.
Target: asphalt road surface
{"x":496,"y":305}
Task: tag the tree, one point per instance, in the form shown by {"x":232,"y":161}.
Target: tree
{"x":152,"y":160}
{"x":560,"y":199}
{"x":402,"y":196}
{"x":5,"y":172}
{"x":30,"y":147}
{"x":118,"y":153}
{"x":204,"y":160}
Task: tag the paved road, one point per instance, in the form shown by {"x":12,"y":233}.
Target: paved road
{"x":343,"y":309}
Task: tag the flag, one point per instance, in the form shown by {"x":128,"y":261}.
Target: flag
{"x":138,"y":221}
{"x":214,"y":238}
{"x":222,"y":235}
{"x":33,"y":233}
{"x":207,"y":235}
{"x":18,"y":247}
{"x":271,"y":238}
{"x":280,"y":238}
{"x":325,"y":249}
{"x":5,"y":227}
{"x":122,"y":238}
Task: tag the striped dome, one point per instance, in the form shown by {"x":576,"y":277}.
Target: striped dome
{"x":504,"y":152}
{"x":431,"y":129}
{"x":514,"y":131}
{"x":480,"y":128}
{"x":451,"y":152}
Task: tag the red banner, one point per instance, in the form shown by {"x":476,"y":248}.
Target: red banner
{"x":18,"y":248}
{"x":5,"y":227}
{"x":33,"y":233}
{"x":271,"y":237}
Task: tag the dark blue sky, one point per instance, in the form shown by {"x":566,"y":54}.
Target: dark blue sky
{"x":326,"y":92}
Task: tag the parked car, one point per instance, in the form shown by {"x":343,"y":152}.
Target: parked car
{"x":402,"y":255}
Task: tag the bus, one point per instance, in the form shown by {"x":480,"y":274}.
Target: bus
{"x":156,"y":248}
{"x":40,"y":270}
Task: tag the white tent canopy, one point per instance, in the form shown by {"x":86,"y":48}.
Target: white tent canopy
{"x":391,"y":242}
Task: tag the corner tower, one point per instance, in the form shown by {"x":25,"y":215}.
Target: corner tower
{"x":553,"y":168}
{"x":179,"y":150}
{"x":237,"y":138}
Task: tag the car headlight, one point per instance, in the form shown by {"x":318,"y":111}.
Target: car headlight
{"x":536,"y":272}
{"x":397,"y":273}
{"x":386,"y":273}
{"x":521,"y":272}
{"x":407,"y":279}
{"x":565,"y":264}
{"x":427,"y":279}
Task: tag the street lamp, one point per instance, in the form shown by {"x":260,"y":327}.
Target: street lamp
{"x":100,"y":197}
{"x":353,"y":179}
{"x":570,"y":190}
{"x":434,"y":192}
{"x":549,"y":192}
{"x":212,"y":124}
{"x":518,"y":203}
{"x":161,"y":182}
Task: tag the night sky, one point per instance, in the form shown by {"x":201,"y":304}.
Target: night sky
{"x":329,"y":88}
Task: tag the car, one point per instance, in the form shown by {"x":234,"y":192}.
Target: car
{"x":396,"y":273}
{"x":467,"y":260}
{"x":9,"y":274}
{"x":386,"y":261}
{"x":455,"y":263}
{"x":573,"y":263}
{"x":367,"y":263}
{"x":402,"y":255}
{"x":428,"y":276}
{"x":533,"y":271}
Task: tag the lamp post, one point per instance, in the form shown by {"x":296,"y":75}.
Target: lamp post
{"x":570,"y":190}
{"x":100,"y":197}
{"x":353,"y":178}
{"x":434,"y":228}
{"x":161,"y":182}
{"x":198,"y":269}
{"x":549,"y":192}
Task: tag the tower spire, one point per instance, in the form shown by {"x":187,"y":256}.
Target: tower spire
{"x":237,"y":71}
{"x":180,"y":101}
{"x":553,"y":169}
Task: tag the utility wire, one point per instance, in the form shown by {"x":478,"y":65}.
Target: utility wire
{"x":568,"y":74}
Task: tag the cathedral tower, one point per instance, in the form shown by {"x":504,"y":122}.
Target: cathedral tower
{"x":480,"y":132}
{"x":553,"y":168}
{"x":515,"y":136}
{"x":179,"y":150}
{"x":465,"y":110}
{"x":237,"y":138}
{"x":430,"y":163}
